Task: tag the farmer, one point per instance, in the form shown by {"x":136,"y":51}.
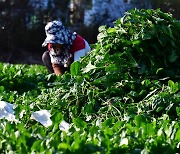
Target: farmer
{"x":64,"y":47}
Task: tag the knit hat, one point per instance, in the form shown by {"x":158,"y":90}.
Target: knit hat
{"x":57,"y":33}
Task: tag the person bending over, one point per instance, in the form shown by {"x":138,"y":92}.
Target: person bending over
{"x":64,"y":47}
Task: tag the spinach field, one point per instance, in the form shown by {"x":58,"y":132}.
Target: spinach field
{"x":124,"y":97}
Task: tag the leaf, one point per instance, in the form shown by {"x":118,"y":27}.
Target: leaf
{"x":89,"y":67}
{"x":159,"y":71}
{"x":75,"y":68}
{"x":178,"y":111}
{"x":173,"y":57}
{"x":159,"y":109}
{"x":63,"y":146}
{"x":124,"y":141}
{"x":111,"y":30}
{"x":177,"y":137}
{"x":36,"y":145}
{"x":101,"y":28}
{"x":146,"y":82}
{"x":136,"y":42}
{"x":100,"y":36}
{"x":79,"y":123}
{"x":139,"y":119}
{"x":11,"y":98}
{"x":1,"y":88}
{"x":174,"y":87}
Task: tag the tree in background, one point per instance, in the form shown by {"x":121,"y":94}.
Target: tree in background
{"x":139,"y":4}
{"x":170,"y":6}
{"x":13,"y":24}
{"x":22,"y":21}
{"x":107,"y":11}
{"x":22,"y":24}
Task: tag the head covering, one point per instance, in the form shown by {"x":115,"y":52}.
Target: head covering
{"x":57,"y":33}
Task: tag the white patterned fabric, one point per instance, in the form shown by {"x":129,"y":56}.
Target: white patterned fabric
{"x":61,"y":58}
{"x":57,"y":33}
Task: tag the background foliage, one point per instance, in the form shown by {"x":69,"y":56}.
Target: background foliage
{"x":20,"y":22}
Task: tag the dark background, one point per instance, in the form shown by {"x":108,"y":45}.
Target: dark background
{"x":22,"y":25}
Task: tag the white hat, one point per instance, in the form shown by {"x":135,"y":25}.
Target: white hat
{"x":57,"y":33}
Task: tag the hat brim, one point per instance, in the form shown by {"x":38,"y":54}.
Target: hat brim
{"x":52,"y":39}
